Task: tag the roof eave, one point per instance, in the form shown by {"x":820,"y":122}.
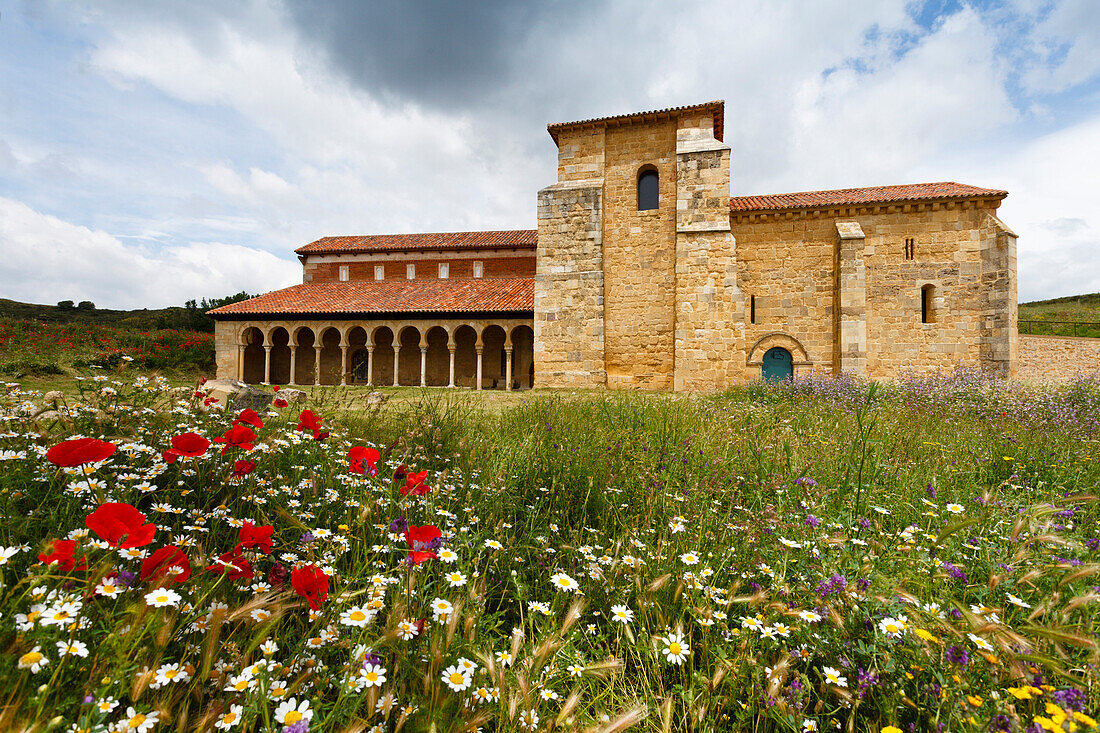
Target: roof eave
{"x":369,"y":315}
{"x":997,"y":195}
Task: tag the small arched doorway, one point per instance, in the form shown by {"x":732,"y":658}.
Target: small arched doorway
{"x":777,"y":365}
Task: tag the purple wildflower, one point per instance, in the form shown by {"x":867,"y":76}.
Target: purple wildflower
{"x":835,"y":585}
{"x":812,"y":520}
{"x":957,"y":655}
{"x":302,"y":726}
{"x":1070,"y":698}
{"x":399,"y":525}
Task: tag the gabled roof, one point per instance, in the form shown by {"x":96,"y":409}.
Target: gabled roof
{"x":516,"y":238}
{"x":870,"y":195}
{"x":482,"y":295}
{"x":717,"y":108}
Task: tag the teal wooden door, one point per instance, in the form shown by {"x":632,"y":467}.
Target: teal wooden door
{"x":777,"y":365}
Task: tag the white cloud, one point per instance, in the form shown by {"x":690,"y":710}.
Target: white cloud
{"x":1067,"y":46}
{"x":47,"y":260}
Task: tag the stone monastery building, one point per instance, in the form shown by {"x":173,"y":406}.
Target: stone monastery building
{"x":644,"y":272}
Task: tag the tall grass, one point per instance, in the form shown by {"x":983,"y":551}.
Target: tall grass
{"x":811,"y":556}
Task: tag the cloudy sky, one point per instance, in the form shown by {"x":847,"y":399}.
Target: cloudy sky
{"x":155,"y":152}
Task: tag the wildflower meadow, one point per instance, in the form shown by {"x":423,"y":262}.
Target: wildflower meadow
{"x":823,"y":555}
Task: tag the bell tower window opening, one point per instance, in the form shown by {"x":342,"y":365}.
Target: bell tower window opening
{"x":379,"y":272}
{"x":647,"y":189}
{"x":479,"y":269}
{"x":910,"y":247}
{"x":344,"y":273}
{"x":927,"y":294}
{"x":444,"y":270}
{"x":410,"y":272}
{"x":752,"y":309}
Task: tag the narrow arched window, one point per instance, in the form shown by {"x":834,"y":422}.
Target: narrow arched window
{"x":647,"y":189}
{"x":927,"y":293}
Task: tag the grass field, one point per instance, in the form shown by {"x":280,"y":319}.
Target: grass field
{"x":1077,"y":308}
{"x":817,"y":556}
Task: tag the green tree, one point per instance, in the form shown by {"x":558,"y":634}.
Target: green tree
{"x":65,"y":305}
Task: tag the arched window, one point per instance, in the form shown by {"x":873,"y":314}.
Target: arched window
{"x":647,"y":189}
{"x":927,"y":314}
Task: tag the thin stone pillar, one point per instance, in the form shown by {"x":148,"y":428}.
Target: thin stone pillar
{"x":240,"y":363}
{"x":851,"y":300}
{"x":508,"y":368}
{"x":293,"y":362}
{"x":343,"y":365}
{"x":451,"y":349}
{"x":317,"y":364}
{"x":423,"y":366}
{"x":370,"y":366}
{"x":480,"y":349}
{"x":267,"y":363}
{"x":396,"y":354}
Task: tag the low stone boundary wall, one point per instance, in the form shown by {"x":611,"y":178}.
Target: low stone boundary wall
{"x":1056,"y":358}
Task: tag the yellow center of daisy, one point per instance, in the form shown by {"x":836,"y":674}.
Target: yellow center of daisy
{"x":456,"y":678}
{"x":372,"y":676}
{"x":31,"y":658}
{"x":137,"y":721}
{"x":108,"y":588}
{"x":673,"y":648}
{"x":229,"y":718}
{"x":240,"y":685}
{"x":357,"y":616}
{"x":292,"y":717}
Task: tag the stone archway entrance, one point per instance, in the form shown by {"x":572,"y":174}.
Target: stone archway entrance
{"x":777,"y":365}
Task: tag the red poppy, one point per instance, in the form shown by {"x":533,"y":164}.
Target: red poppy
{"x":311,"y":421}
{"x":186,"y":445}
{"x":362,"y":460}
{"x":414,"y":484}
{"x":120,"y":525}
{"x":252,"y":537}
{"x":210,"y":401}
{"x":237,"y":436}
{"x":418,"y":556}
{"x":160,"y":565}
{"x":311,"y":583}
{"x":249,"y":416}
{"x":232,"y":564}
{"x":243,"y":468}
{"x":280,"y":402}
{"x":422,"y":538}
{"x":61,"y":552}
{"x":80,"y":451}
{"x":276,"y":388}
{"x":277,"y":576}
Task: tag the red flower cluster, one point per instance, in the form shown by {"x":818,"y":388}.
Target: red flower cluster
{"x":243,"y":468}
{"x":79,"y":451}
{"x":422,"y":542}
{"x":237,"y":436}
{"x":120,"y":525}
{"x":167,"y":563}
{"x":414,"y":484}
{"x":187,"y":445}
{"x":250,"y":537}
{"x":61,"y":552}
{"x":248,"y":416}
{"x":363,"y":460}
{"x":311,"y":583}
{"x":311,"y":421}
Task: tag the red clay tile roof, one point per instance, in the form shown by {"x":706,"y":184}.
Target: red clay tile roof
{"x":717,"y":107}
{"x":522,"y":238}
{"x":870,"y":195}
{"x":392,"y":296}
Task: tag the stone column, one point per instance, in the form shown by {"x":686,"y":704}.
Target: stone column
{"x":479,"y":350}
{"x":423,"y":366}
{"x":851,"y":300}
{"x":396,"y":354}
{"x":451,"y":382}
{"x":317,"y":364}
{"x":293,"y":362}
{"x":508,"y":368}
{"x":267,"y":363}
{"x":370,"y":366}
{"x":343,"y":365}
{"x":240,"y":363}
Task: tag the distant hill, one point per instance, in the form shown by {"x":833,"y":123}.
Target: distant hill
{"x":191,"y":316}
{"x":1075,"y":308}
{"x":145,"y":318}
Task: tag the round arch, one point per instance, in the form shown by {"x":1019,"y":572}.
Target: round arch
{"x":798,"y":352}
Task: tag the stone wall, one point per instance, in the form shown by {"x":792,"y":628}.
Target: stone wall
{"x":639,"y":257}
{"x":569,"y":286}
{"x":1056,"y":358}
{"x":326,"y":268}
{"x":709,"y":308}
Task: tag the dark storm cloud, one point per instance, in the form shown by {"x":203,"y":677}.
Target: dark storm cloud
{"x":438,"y":53}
